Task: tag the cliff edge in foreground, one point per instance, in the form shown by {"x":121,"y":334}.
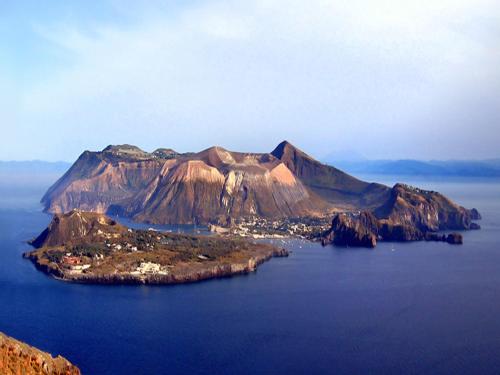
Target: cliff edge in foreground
{"x":19,"y":358}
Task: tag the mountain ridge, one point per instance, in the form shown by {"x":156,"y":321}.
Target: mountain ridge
{"x":210,"y":186}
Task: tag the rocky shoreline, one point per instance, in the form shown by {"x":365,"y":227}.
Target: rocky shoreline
{"x":182,"y":275}
{"x":411,"y":214}
{"x":85,"y":247}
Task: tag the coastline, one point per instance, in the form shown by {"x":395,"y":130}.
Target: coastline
{"x":181,"y":274}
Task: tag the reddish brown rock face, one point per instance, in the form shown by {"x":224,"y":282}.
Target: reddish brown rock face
{"x":19,"y":358}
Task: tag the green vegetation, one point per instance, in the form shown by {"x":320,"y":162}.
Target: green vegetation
{"x":89,"y":250}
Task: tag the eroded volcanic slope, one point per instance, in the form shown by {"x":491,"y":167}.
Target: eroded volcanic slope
{"x":167,"y":187}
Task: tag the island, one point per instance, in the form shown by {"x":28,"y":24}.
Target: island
{"x":285,"y":192}
{"x":19,"y":358}
{"x":89,"y":247}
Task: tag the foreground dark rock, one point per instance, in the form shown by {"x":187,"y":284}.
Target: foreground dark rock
{"x":452,"y":238}
{"x":455,"y":239}
{"x":92,"y":248}
{"x":19,"y":358}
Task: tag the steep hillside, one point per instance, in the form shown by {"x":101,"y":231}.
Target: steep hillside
{"x":64,"y":229}
{"x":328,"y":182}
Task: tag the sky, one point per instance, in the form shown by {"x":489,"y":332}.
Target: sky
{"x":382,"y":79}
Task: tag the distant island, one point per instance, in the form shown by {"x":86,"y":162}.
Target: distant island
{"x":285,"y":190}
{"x":92,"y":248}
{"x":435,"y":168}
{"x":19,"y":358}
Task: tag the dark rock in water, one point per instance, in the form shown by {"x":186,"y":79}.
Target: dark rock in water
{"x":435,"y":237}
{"x":455,"y":239}
{"x":399,"y":232}
{"x":364,"y":229}
{"x":353,"y":230}
{"x":475,"y":215}
{"x":474,"y":226}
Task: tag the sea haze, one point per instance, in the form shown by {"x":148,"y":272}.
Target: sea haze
{"x":413,"y":308}
{"x":435,"y":168}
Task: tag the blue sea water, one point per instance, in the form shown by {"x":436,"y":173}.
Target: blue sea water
{"x":418,"y":308}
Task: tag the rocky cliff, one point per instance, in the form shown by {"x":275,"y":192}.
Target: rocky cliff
{"x":350,"y":230}
{"x":410,"y":214}
{"x":428,"y":211}
{"x":18,"y":358}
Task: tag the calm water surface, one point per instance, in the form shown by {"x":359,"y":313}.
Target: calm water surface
{"x":420,"y":308}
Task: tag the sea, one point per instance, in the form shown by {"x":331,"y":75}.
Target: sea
{"x":401,"y":308}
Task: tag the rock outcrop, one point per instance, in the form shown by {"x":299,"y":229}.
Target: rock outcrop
{"x":410,"y":214}
{"x":365,"y":230}
{"x":353,"y":230}
{"x":19,"y":358}
{"x":452,"y":238}
{"x":74,"y":227}
{"x":455,"y":239}
{"x":427,"y":211}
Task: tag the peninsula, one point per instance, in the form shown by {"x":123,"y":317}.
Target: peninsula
{"x":90,"y":247}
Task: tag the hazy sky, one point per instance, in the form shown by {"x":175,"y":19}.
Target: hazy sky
{"x":385,"y":79}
